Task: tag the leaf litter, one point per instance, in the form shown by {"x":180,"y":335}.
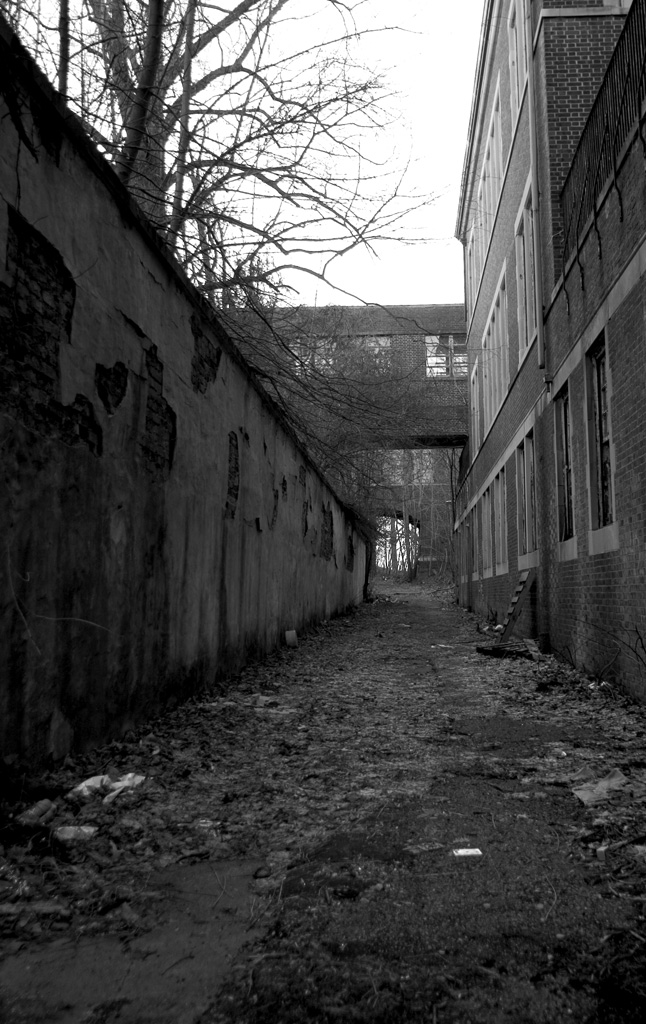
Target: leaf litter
{"x":354,"y":730}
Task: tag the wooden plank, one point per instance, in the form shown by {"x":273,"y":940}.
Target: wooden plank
{"x":525,"y":581}
{"x":532,"y":647}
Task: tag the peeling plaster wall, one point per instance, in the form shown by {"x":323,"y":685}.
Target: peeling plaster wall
{"x":158,"y":522}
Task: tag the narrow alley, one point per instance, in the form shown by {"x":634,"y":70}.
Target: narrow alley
{"x":379,"y":825}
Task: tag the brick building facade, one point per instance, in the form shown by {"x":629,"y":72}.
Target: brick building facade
{"x":553,"y":220}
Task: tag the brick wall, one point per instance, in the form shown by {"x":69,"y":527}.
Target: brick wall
{"x":566,"y":89}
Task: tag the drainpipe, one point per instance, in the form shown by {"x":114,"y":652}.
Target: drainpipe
{"x":536,"y":206}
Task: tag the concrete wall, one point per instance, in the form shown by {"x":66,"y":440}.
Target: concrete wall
{"x":159,"y":523}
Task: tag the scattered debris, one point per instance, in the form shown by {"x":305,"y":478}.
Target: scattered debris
{"x":75,"y":833}
{"x":106,"y":784}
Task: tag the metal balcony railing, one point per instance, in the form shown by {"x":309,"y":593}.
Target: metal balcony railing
{"x":618,"y":106}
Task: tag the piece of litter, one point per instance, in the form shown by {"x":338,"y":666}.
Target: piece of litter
{"x":75,"y":833}
{"x":291,"y":638}
{"x":469,"y":851}
{"x":129,"y":781}
{"x":104,"y":784}
{"x":596,"y":792}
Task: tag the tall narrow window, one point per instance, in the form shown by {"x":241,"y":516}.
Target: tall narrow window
{"x":564,"y":464}
{"x":472,"y":282}
{"x":495,"y":358}
{"x":500,"y":521}
{"x":521,"y":499}
{"x":526,"y":495}
{"x":475,"y":409}
{"x":475,"y":551}
{"x":517,"y":56}
{"x":487,"y":552}
{"x":530,"y":478}
{"x":525,"y":275}
{"x":490,"y":179}
{"x":599,"y":433}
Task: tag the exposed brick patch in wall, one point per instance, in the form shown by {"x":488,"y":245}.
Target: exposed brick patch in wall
{"x":160,"y":431}
{"x":233,"y":481}
{"x":77,"y":424}
{"x":111,"y":384}
{"x":206,"y":358}
{"x":36,"y":310}
{"x":35,"y":319}
{"x":327,"y":533}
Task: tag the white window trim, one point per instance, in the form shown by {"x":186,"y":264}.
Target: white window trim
{"x":567,"y":549}
{"x":527,"y":559}
{"x":474,"y":406}
{"x":500,"y":511}
{"x":601,"y":539}
{"x":521,"y":318}
{"x":517,"y":89}
{"x":504,"y":390}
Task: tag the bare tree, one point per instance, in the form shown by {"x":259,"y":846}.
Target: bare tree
{"x":244,"y":129}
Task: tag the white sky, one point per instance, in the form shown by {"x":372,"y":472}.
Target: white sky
{"x":432,"y":66}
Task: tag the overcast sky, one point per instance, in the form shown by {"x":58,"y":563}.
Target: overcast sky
{"x":432,"y":66}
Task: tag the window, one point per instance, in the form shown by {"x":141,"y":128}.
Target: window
{"x":474,"y":543}
{"x":445,"y":357}
{"x":500,"y":521}
{"x":564,"y":464}
{"x":526,"y":485}
{"x":599,"y":435}
{"x":525,"y":276}
{"x":475,"y":409}
{"x":517,"y":56}
{"x":487,"y":549}
{"x":491,"y":178}
{"x":495,"y":358}
{"x":378,"y":347}
{"x":471,"y":272}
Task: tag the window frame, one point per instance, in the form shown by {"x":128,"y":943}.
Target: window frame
{"x":495,"y":355}
{"x":525,"y":275}
{"x":517,"y":58}
{"x":474,"y":401}
{"x":527,"y":513}
{"x":564,"y":468}
{"x":487,"y":540}
{"x":600,"y":446}
{"x":500,"y":523}
{"x":450,"y":354}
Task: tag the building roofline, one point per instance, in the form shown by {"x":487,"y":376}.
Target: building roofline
{"x":475,"y":106}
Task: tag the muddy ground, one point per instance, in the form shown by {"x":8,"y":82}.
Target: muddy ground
{"x":377,"y":826}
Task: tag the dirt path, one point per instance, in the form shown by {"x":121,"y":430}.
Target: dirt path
{"x":312,"y":811}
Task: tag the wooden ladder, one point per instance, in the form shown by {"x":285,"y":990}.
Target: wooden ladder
{"x":525,"y":581}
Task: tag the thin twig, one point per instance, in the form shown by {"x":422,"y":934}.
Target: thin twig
{"x":554,"y":902}
{"x":17,"y":603}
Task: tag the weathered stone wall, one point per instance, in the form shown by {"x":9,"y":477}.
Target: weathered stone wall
{"x":158,"y":522}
